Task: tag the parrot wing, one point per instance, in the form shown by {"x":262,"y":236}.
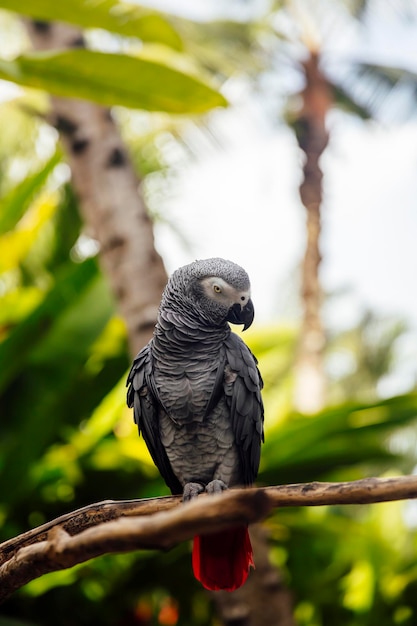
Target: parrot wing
{"x":142,"y":395}
{"x":242,"y":387}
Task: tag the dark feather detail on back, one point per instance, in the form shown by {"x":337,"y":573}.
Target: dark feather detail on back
{"x":142,"y":396}
{"x":246,"y":407}
{"x":217,"y":387}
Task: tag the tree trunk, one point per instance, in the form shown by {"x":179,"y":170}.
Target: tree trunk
{"x":312,"y":137}
{"x":109,"y":194}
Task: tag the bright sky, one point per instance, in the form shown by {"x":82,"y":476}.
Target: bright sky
{"x":242,"y":202}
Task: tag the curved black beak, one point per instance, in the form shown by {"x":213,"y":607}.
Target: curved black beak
{"x":242,"y":315}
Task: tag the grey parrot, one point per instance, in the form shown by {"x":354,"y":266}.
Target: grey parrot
{"x":196,"y":393}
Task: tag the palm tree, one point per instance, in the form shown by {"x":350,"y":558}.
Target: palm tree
{"x":297,"y":37}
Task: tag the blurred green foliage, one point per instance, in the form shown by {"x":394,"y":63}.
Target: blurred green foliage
{"x":150,"y":77}
{"x":107,"y":79}
{"x":67,"y":438}
{"x":123,"y":18}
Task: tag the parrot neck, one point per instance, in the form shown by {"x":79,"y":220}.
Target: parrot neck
{"x":178,"y":334}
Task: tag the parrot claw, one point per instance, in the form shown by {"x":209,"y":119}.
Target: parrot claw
{"x":192,"y":490}
{"x":216,"y":486}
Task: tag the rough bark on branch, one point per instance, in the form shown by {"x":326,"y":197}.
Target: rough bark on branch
{"x":113,"y":526}
{"x":58,"y":549}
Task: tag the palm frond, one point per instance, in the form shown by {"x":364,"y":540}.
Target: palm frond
{"x":404,"y":9}
{"x":344,"y":101}
{"x":386,"y":93}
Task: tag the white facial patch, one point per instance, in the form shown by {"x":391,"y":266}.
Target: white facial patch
{"x":218,"y":289}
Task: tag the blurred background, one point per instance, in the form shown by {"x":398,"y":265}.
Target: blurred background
{"x":281,"y":135}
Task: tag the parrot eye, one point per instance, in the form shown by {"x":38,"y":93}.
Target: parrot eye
{"x":217,"y":289}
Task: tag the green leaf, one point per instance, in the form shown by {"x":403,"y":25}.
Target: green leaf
{"x":306,"y":448}
{"x":15,"y":203}
{"x":22,"y":340}
{"x":113,"y":79}
{"x":16,"y":244}
{"x":51,"y":370}
{"x":118,"y":17}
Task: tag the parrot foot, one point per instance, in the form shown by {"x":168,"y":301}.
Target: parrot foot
{"x":192,"y":490}
{"x":216,"y":486}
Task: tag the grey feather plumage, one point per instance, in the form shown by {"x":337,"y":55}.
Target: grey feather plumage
{"x":195,"y":388}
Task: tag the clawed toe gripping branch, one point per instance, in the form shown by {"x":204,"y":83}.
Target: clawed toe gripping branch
{"x":161,"y":523}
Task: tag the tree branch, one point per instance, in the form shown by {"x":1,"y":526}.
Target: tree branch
{"x":53,"y":548}
{"x":112,"y":526}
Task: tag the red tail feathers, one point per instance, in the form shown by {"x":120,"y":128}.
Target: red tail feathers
{"x":222,"y":560}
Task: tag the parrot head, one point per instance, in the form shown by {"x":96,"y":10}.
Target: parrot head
{"x":216,"y":290}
